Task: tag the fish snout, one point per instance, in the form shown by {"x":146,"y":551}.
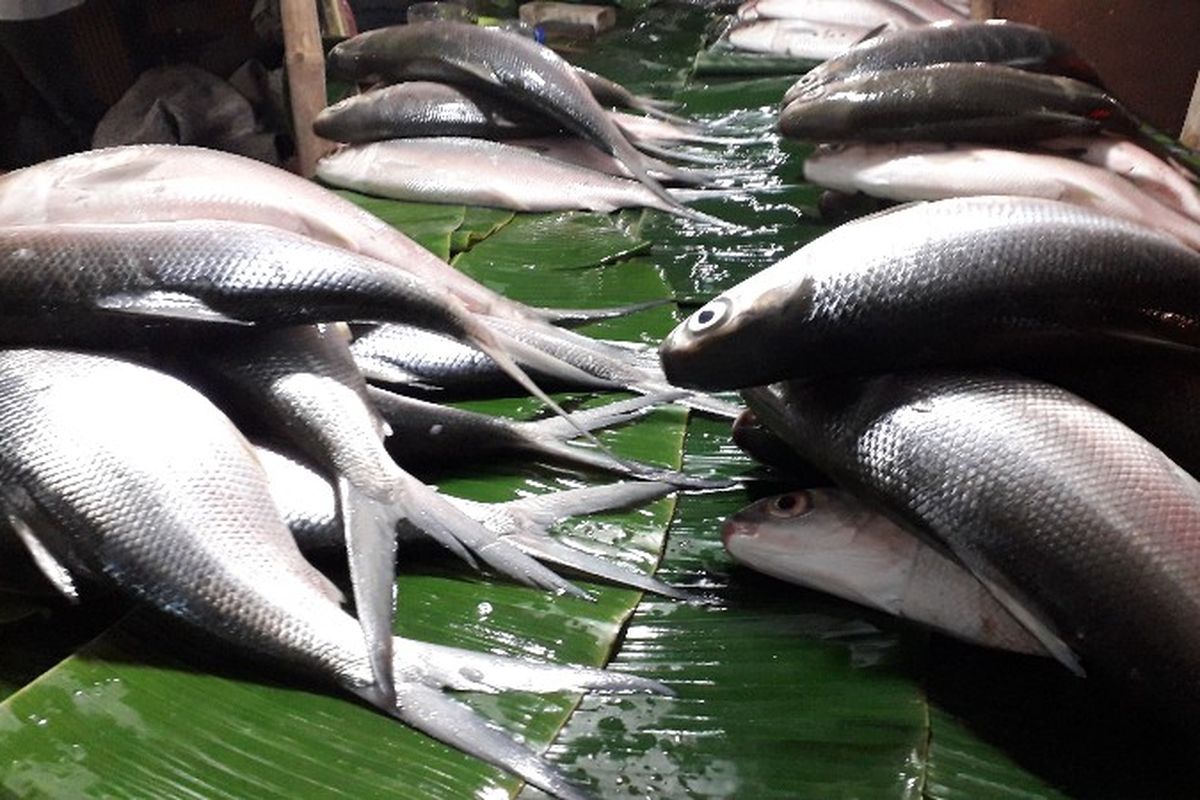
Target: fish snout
{"x":735,"y":528}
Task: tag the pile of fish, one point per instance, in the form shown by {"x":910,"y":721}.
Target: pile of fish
{"x":970,"y":108}
{"x":815,"y":30}
{"x":184,"y":413}
{"x":466,"y":114}
{"x":1009,"y":379}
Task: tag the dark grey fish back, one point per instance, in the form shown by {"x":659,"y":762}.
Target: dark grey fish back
{"x":1025,"y":481}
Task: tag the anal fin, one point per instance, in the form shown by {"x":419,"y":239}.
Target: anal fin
{"x":162,"y":304}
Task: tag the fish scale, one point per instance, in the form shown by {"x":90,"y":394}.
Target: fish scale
{"x":1070,"y":516}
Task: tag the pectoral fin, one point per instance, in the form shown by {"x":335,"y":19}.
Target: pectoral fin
{"x":38,"y":534}
{"x":166,"y":305}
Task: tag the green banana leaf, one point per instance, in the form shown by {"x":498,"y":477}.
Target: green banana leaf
{"x":782,"y":693}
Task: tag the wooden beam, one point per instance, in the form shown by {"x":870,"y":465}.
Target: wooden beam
{"x":305,"y":62}
{"x":1190,"y":135}
{"x":983,"y":9}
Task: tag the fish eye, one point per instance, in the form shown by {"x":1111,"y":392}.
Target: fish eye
{"x":791,"y":505}
{"x":709,"y":316}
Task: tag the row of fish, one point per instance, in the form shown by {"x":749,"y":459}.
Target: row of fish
{"x":959,"y":109}
{"x":815,"y":30}
{"x":487,"y":117}
{"x":1007,"y":379}
{"x":186,"y":411}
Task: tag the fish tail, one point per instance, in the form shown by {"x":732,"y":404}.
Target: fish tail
{"x":658,"y":151}
{"x":448,"y":721}
{"x":570,"y":317}
{"x":432,"y":513}
{"x":470,"y":671}
{"x":487,"y":342}
{"x":370,"y":532}
{"x":555,"y":429}
{"x":561,"y":554}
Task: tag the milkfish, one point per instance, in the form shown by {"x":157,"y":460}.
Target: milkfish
{"x":425,"y":108}
{"x":862,"y":14}
{"x":1085,"y":532}
{"x":479,"y":172}
{"x":953,"y":102}
{"x":757,"y":441}
{"x":994,"y":41}
{"x":932,"y":171}
{"x":796,"y":38}
{"x":164,"y":183}
{"x":825,"y":539}
{"x":576,"y":151}
{"x":139,"y":479}
{"x":963,"y":281}
{"x":610,"y":93}
{"x":307,"y":501}
{"x":504,"y":62}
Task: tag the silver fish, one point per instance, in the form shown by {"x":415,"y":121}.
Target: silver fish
{"x":406,"y":356}
{"x":1086,"y":533}
{"x":825,"y":539}
{"x":142,"y":479}
{"x":796,"y":38}
{"x":968,"y":280}
{"x":502,"y":61}
{"x":480,"y":172}
{"x":610,"y":93}
{"x":864,"y":14}
{"x":930,"y":171}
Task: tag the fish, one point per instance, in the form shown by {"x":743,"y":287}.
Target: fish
{"x":192,"y":183}
{"x":574,"y":150}
{"x":1167,"y":182}
{"x":932,"y":171}
{"x":479,"y":172}
{"x":827,"y":540}
{"x":971,"y":280}
{"x":504,"y":62}
{"x":425,"y":108}
{"x":863,"y":14}
{"x":954,"y":102}
{"x":400,"y":355}
{"x":1011,"y":44}
{"x":757,"y":441}
{"x":1083,"y":530}
{"x":307,"y":501}
{"x":795,"y":38}
{"x":144,"y":481}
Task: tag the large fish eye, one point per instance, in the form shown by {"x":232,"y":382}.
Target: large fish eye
{"x":709,"y":316}
{"x":791,"y":505}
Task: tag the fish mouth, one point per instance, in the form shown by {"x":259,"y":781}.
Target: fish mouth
{"x":732,"y":529}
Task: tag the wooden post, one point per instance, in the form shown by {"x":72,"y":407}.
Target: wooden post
{"x":305,"y":61}
{"x":1190,"y":135}
{"x":983,"y":9}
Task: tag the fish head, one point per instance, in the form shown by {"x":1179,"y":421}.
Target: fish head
{"x":822,"y":111}
{"x":743,"y":336}
{"x":348,"y":59}
{"x":824,"y":539}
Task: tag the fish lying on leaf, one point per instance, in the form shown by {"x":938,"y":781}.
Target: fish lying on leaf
{"x":139,"y":480}
{"x":192,"y":183}
{"x":974,"y":280}
{"x":993,"y":41}
{"x":480,"y":172}
{"x":933,"y":171}
{"x":824,"y":539}
{"x":308,"y":503}
{"x":954,"y":102}
{"x":505,"y":63}
{"x":796,"y":38}
{"x":864,"y":14}
{"x":1085,"y":532}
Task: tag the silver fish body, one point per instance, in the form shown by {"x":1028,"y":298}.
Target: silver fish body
{"x":507,"y":63}
{"x":991,"y":42}
{"x":479,"y":172}
{"x":929,"y":171}
{"x":795,"y":38}
{"x":825,"y":539}
{"x":165,"y":183}
{"x":425,"y":108}
{"x":952,"y":102}
{"x":865,"y":14}
{"x":1088,"y":534}
{"x":70,"y":282}
{"x":967,"y":280}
